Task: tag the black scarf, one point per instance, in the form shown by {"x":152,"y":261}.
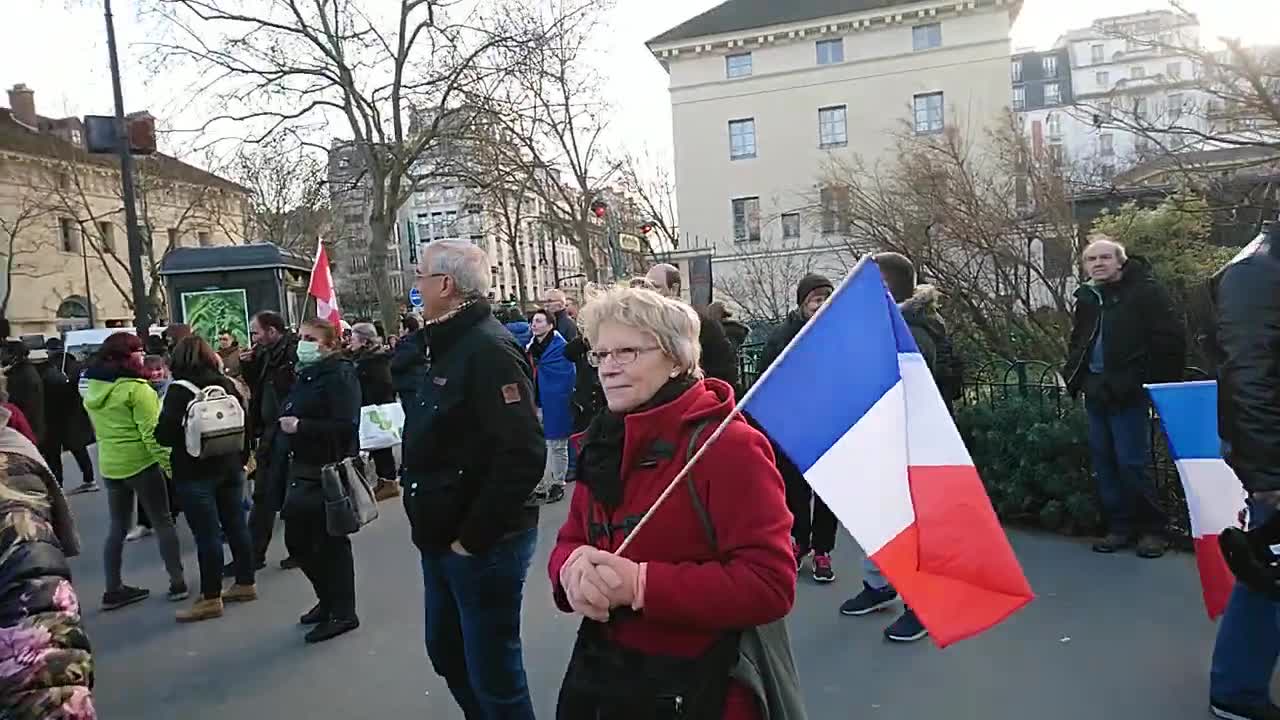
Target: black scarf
{"x":600,"y":463}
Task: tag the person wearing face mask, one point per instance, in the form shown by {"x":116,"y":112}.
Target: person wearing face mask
{"x":553,"y":381}
{"x":662,"y":622}
{"x":320,"y":424}
{"x":124,"y":411}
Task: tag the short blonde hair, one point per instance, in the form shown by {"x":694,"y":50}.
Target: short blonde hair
{"x":674,"y":325}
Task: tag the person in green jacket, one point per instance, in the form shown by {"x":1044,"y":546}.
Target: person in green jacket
{"x":124,"y":410}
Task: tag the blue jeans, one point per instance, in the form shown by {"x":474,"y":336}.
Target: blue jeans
{"x":872,"y":576}
{"x":213,"y":508}
{"x":1244,"y":656}
{"x":473,"y":626}
{"x":1120,"y":449}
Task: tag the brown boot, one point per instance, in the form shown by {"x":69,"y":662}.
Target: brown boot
{"x":240,"y":593}
{"x":203,"y":609}
{"x":385,"y":490}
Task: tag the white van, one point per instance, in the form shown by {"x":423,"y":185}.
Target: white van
{"x":84,"y":343}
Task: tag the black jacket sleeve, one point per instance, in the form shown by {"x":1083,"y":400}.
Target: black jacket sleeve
{"x":169,"y":432}
{"x":718,"y":358}
{"x":501,"y":395}
{"x":26,"y":390}
{"x":1248,"y":334}
{"x":341,"y":428}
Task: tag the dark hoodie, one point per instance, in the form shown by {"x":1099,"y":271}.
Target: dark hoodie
{"x":171,"y":433}
{"x":373,"y":369}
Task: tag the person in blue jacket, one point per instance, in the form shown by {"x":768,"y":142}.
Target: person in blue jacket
{"x":554,"y":376}
{"x":516,"y":325}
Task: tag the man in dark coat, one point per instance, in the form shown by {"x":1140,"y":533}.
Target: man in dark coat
{"x":409,"y":360}
{"x":556,"y":303}
{"x":718,"y":357}
{"x":1246,"y":297}
{"x":473,"y":452}
{"x":26,"y":390}
{"x":67,"y":425}
{"x":373,"y":369}
{"x":1125,"y":333}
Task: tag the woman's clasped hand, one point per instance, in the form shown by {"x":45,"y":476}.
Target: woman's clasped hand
{"x":596,"y":581}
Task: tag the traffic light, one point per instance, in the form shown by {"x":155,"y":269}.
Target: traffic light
{"x":100,"y":133}
{"x":599,"y":208}
{"x":646,"y":228}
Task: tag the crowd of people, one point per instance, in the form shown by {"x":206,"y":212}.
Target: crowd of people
{"x":503,"y":408}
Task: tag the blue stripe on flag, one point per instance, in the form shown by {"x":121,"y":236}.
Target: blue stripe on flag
{"x":833,"y":372}
{"x":1189,"y":413}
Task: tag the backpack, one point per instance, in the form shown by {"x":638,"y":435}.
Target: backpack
{"x":214,"y":422}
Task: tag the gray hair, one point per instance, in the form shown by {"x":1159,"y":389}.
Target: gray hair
{"x":673,"y":325}
{"x":462,"y":261}
{"x":366,"y":331}
{"x":1100,"y":239}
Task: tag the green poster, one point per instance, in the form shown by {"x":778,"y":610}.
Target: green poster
{"x":213,"y":312}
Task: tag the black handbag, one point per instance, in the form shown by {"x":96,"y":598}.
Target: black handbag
{"x":349,"y":503}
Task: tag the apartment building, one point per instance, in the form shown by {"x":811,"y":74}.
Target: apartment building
{"x":765,"y":94}
{"x":1042,"y":94}
{"x":350,"y":197}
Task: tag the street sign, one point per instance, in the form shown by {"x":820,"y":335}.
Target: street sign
{"x":415,"y":297}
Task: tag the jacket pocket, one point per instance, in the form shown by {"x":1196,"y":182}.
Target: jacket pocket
{"x":434,"y":503}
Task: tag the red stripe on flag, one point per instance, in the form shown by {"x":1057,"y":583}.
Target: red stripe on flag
{"x":954,"y":566}
{"x":1216,"y":579}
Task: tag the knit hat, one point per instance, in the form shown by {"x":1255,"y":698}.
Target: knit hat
{"x":809,"y":283}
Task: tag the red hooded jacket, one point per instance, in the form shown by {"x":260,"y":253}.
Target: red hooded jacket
{"x":692,"y":596}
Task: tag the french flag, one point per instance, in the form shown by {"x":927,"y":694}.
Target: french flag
{"x":1189,"y":414}
{"x":853,"y":404}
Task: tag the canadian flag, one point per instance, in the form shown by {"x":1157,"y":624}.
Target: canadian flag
{"x":322,"y":289}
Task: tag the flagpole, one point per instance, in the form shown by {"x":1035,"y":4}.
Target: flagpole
{"x":737,"y":409}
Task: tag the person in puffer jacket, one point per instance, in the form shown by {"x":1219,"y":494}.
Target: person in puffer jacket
{"x":46,"y":664}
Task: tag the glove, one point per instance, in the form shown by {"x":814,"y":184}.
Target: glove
{"x":623,"y":579}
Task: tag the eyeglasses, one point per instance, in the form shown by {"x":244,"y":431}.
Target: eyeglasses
{"x":621,"y":356}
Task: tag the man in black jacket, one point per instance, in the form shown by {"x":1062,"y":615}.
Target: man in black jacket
{"x":26,"y":390}
{"x":557,"y":303}
{"x":1246,"y":296}
{"x":1125,"y":333}
{"x":718,"y":357}
{"x":67,"y":425}
{"x":473,"y":453}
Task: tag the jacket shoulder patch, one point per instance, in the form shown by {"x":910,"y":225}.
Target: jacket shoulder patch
{"x":511,"y":393}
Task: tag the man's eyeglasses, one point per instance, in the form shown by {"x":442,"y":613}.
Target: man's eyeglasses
{"x":621,"y":356}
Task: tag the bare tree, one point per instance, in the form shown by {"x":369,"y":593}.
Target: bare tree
{"x":290,"y":200}
{"x":22,"y":230}
{"x":651,"y":183}
{"x":399,"y":83}
{"x":763,"y":281}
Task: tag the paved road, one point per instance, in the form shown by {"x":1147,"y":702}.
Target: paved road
{"x":1109,"y":637}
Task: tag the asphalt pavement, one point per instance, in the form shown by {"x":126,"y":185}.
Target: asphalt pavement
{"x":1107,"y":637}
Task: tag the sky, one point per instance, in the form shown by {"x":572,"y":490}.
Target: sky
{"x":73,"y":79}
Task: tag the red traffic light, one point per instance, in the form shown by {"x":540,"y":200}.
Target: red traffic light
{"x":599,"y":208}
{"x":646,"y":228}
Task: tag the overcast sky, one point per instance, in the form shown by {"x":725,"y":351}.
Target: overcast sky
{"x":58,"y":47}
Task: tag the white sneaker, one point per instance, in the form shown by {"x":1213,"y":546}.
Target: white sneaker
{"x":137,"y":533}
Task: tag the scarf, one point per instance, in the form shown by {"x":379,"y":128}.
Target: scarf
{"x":451,"y":314}
{"x":601,"y":458}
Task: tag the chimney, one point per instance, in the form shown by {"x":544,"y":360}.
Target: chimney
{"x":22,"y":101}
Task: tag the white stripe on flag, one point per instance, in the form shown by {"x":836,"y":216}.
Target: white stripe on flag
{"x":932,"y":437}
{"x":863,"y":476}
{"x":1214,"y":494}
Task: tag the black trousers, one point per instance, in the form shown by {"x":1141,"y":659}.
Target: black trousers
{"x":326,"y":560}
{"x":384,"y":461}
{"x":267,"y":498}
{"x":814,"y":526}
{"x":52,"y":452}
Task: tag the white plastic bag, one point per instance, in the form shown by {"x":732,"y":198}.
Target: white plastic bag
{"x":381,"y":426}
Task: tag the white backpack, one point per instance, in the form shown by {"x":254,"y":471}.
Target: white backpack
{"x":214,"y":422}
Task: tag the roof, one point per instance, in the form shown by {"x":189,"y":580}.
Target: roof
{"x":735,"y":15}
{"x":1224,"y":158}
{"x":16,"y":137}
{"x":186,"y":260}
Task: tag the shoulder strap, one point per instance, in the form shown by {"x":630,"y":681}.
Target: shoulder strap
{"x":189,"y":386}
{"x":698,"y":506}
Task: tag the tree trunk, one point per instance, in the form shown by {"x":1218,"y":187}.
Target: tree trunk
{"x":522,"y":290}
{"x":388,"y":305}
{"x":582,"y":238}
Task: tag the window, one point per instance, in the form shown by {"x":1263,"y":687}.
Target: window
{"x":1137,"y":72}
{"x":77,"y":138}
{"x":835,"y":209}
{"x":830,"y":52}
{"x":1142,"y":144}
{"x":1052,"y":93}
{"x":1106,"y":145}
{"x":353,"y":218}
{"x":736,"y":66}
{"x":202,"y":237}
{"x":1019,"y":98}
{"x":173,"y":237}
{"x":1103,"y":78}
{"x":1049,"y":63}
{"x":1104,"y":109}
{"x":107,"y":235}
{"x":1055,"y":155}
{"x":1140,"y":108}
{"x":1053,"y":125}
{"x":69,"y":233}
{"x":742,"y":139}
{"x":928,"y":113}
{"x":926,"y":37}
{"x":746,"y":219}
{"x":1173,"y":71}
{"x":1131,"y":44}
{"x":1175,"y":107}
{"x":1015,"y":70}
{"x":790,"y":226}
{"x":833,"y":129}
{"x":344,"y":163}
{"x":1096,"y":54}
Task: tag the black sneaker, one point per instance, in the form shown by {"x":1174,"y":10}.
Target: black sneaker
{"x":555,"y":494}
{"x":1113,"y":542}
{"x":126,"y":595}
{"x":869,"y":601}
{"x":314,"y":616}
{"x":178,"y":593}
{"x":822,"y":570}
{"x":1236,"y":711}
{"x":1152,"y":546}
{"x":906,"y":628}
{"x":330,"y":629}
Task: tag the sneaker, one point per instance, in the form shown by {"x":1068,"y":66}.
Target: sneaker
{"x":330,"y":629}
{"x":240,"y":593}
{"x":537,"y":498}
{"x":287,"y":564}
{"x":555,"y":494}
{"x":906,"y":628}
{"x":177,"y":593}
{"x":88,"y":487}
{"x":1152,"y":546}
{"x":869,"y":600}
{"x":1113,"y":542}
{"x":203,"y":609}
{"x":800,"y":553}
{"x":137,"y":533}
{"x":822,"y":571}
{"x":1236,"y":711}
{"x":126,"y":595}
{"x":314,"y":616}
{"x":385,"y":490}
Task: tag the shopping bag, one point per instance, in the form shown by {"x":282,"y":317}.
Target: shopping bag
{"x":381,"y":426}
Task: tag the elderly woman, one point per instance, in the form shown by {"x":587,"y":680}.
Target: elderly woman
{"x":661,"y":621}
{"x":373,"y":370}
